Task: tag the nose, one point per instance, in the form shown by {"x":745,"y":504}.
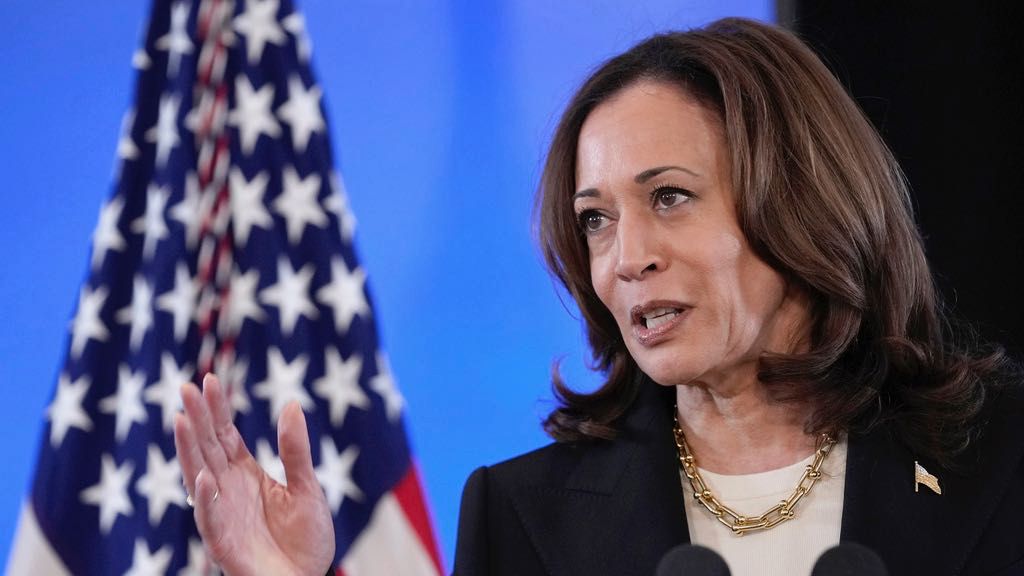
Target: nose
{"x":637,"y":248}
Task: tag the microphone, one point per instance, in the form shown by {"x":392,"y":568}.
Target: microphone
{"x":689,"y":559}
{"x":849,"y":559}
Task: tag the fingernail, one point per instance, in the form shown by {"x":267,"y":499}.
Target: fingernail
{"x":206,"y":379}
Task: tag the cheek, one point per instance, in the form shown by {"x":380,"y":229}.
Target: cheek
{"x":761,"y":286}
{"x":602,"y":278}
{"x":727,"y":252}
{"x":757,"y":302}
{"x":747,"y":289}
{"x":723,"y":273}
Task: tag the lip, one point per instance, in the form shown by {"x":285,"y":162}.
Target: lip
{"x":648,"y":337}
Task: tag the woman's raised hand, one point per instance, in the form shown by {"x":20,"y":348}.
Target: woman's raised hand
{"x":250,"y":523}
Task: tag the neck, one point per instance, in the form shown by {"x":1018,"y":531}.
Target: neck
{"x":742,"y":430}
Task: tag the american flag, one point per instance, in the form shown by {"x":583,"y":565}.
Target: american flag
{"x":226,"y":246}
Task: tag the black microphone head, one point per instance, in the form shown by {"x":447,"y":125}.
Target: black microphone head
{"x":849,"y":559}
{"x":691,"y":559}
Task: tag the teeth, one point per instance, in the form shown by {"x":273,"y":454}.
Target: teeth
{"x":659,"y":312}
{"x":657,"y":317}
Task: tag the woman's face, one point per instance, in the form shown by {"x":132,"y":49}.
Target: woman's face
{"x":654,"y":197}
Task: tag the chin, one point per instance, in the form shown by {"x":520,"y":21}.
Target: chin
{"x":679,"y":359}
{"x":673,"y":371}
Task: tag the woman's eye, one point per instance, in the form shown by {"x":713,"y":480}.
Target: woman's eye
{"x":669,"y":197}
{"x":592,"y":220}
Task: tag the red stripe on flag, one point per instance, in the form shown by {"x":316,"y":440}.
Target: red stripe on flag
{"x":409,"y":494}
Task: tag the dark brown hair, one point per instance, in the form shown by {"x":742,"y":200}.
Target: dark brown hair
{"x":822,"y":200}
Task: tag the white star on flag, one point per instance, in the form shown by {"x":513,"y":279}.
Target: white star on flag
{"x":259,"y":26}
{"x":233,"y":375}
{"x":180,"y":301}
{"x":337,"y":204}
{"x":166,"y":392}
{"x":107,"y":236}
{"x":339,"y":385}
{"x":284,"y":383}
{"x":335,"y":473}
{"x":161,"y":484}
{"x":298,"y":203}
{"x":241,"y":301}
{"x":165,"y":133}
{"x":87,"y":324}
{"x":187,"y":211}
{"x":145,"y":563}
{"x":344,"y":294}
{"x":152,"y":223}
{"x":139,"y":313}
{"x":302,"y":112}
{"x":126,"y":403}
{"x":247,"y":208}
{"x":176,"y":41}
{"x":111,"y":493}
{"x":126,"y":148}
{"x":296,"y":25}
{"x":141,"y":60}
{"x":384,"y":384}
{"x":269,"y":461}
{"x":290,"y":294}
{"x":65,"y":412}
{"x":251,"y":114}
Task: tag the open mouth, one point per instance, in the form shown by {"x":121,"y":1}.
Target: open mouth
{"x":654,"y":322}
{"x":658,"y":317}
{"x":657,"y":313}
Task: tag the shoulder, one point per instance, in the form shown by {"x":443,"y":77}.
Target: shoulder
{"x":592,"y":465}
{"x":497,"y":533}
{"x":488,"y":487}
{"x":996,"y":487}
{"x":544,"y":466}
{"x":1001,"y":432}
{"x":500,"y":489}
{"x":550,"y":507}
{"x":994,"y":459}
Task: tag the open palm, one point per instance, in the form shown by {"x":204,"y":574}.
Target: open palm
{"x":250,"y":523}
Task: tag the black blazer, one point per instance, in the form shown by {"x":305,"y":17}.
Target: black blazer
{"x":616,"y":507}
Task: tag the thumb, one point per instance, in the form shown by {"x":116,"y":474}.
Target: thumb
{"x":293,"y":442}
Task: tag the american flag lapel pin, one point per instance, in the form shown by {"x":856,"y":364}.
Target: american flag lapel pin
{"x":921,"y":476}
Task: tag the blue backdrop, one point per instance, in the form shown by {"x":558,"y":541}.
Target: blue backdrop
{"x":439,"y":112}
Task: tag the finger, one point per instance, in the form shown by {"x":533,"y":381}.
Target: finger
{"x":227,"y":434}
{"x":207,"y":490}
{"x":293,"y":442}
{"x":205,"y":498}
{"x":201,"y":424}
{"x":190,"y":458}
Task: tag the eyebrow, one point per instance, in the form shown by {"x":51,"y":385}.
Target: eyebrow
{"x":639,"y":179}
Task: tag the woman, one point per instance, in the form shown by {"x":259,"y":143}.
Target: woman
{"x":741,"y":245}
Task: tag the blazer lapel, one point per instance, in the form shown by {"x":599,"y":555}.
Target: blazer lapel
{"x":621,"y":507}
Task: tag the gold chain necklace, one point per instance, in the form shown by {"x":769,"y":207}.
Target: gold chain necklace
{"x":738,"y":523}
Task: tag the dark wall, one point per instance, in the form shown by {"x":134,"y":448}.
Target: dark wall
{"x":944,"y":86}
